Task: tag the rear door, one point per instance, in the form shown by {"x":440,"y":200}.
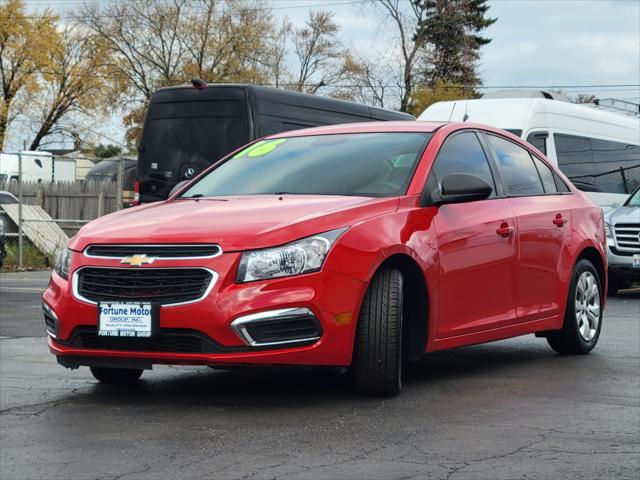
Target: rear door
{"x":476,"y":245}
{"x":543,"y":228}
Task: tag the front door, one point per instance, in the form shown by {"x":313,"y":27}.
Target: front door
{"x":476,"y":247}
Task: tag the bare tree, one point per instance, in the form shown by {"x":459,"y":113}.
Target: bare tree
{"x":320,"y":58}
{"x":405,"y":17}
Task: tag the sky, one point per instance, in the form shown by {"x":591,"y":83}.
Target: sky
{"x":561,"y":44}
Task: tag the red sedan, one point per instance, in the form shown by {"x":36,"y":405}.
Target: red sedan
{"x":358,"y":246}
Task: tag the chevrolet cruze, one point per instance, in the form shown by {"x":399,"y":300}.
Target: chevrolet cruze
{"x":360,"y":246}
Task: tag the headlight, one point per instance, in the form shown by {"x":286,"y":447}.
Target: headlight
{"x":607,"y":228}
{"x":63,"y":262}
{"x":302,"y":256}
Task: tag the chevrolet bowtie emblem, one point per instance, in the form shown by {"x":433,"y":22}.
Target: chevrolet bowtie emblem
{"x":138,"y":260}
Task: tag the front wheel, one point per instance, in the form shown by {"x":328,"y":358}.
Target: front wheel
{"x":583,"y":317}
{"x":116,"y":375}
{"x":377,"y":350}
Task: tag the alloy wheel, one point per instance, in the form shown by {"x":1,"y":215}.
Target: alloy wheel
{"x":587,"y":306}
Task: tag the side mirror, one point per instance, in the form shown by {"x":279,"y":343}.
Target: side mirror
{"x":462,"y":187}
{"x":178,"y":186}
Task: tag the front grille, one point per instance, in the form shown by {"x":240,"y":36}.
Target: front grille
{"x":627,"y":236}
{"x":168,"y":341}
{"x":157,"y":251}
{"x":162,"y":285}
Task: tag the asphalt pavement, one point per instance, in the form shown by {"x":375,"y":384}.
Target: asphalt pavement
{"x":509,"y":409}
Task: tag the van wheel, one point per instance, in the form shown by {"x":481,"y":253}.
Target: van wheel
{"x":583,"y":317}
{"x":116,"y":375}
{"x":378,"y":346}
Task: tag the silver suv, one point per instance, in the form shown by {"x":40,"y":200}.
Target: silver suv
{"x":623,"y":239}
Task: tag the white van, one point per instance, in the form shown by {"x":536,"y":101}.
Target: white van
{"x":37,"y":167}
{"x":589,"y":144}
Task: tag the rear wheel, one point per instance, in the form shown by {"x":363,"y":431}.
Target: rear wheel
{"x":583,"y":317}
{"x":116,"y":375}
{"x":377,"y":351}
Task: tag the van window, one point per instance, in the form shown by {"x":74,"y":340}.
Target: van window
{"x":593,"y":164}
{"x":539,"y":140}
{"x":516,"y":167}
{"x":463,"y":153}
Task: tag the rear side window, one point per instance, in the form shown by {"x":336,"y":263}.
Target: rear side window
{"x":463,"y":153}
{"x":546,"y":175}
{"x":519,"y":174}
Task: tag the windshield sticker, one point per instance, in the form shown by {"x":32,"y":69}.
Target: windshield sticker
{"x":265,"y":148}
{"x":260,"y":148}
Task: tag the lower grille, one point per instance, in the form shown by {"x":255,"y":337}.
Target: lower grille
{"x":162,"y":285}
{"x":628,"y":236}
{"x":168,"y":341}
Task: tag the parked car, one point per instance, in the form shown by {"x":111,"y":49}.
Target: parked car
{"x":361,"y":246}
{"x":107,"y":171}
{"x":189,"y":127}
{"x":623,"y":239}
{"x":585,"y":142}
{"x":5,"y":199}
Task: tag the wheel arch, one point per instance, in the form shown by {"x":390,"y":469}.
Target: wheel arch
{"x":415,"y":304}
{"x":593,"y":255}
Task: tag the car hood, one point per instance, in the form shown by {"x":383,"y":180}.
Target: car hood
{"x":623,"y":215}
{"x":235,"y":223}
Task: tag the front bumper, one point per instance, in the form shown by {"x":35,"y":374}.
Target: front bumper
{"x":328,"y":297}
{"x":621,"y":264}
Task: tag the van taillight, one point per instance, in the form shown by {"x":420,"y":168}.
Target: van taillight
{"x":136,"y":193}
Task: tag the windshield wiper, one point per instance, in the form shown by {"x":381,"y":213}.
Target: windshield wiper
{"x":197,"y":195}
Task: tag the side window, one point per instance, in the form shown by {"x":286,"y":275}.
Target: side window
{"x":560,"y":185}
{"x":539,"y":140}
{"x":574,"y":154}
{"x":463,"y":153}
{"x":518,"y":172}
{"x":546,"y":175}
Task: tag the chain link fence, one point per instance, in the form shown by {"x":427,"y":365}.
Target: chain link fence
{"x":45,"y":199}
{"x":619,"y":180}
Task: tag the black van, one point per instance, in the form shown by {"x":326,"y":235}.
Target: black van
{"x":187,"y":128}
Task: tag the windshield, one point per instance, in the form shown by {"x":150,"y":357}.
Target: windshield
{"x":363,"y":164}
{"x":634,"y":200}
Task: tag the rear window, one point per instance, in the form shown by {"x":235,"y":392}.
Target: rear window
{"x":363,"y":164}
{"x":171,"y":144}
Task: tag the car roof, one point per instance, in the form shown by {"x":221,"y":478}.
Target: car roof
{"x":364,"y":127}
{"x":401,"y":126}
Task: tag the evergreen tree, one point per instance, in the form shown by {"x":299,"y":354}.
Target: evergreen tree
{"x":452,"y":29}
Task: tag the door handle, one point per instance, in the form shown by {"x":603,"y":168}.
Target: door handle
{"x":505,"y":230}
{"x":559,"y":220}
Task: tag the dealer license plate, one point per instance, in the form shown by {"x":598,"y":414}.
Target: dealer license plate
{"x":636,"y":261}
{"x":121,"y":319}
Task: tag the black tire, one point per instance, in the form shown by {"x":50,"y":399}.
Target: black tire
{"x":569,"y":340}
{"x":116,"y":375}
{"x":377,"y":359}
